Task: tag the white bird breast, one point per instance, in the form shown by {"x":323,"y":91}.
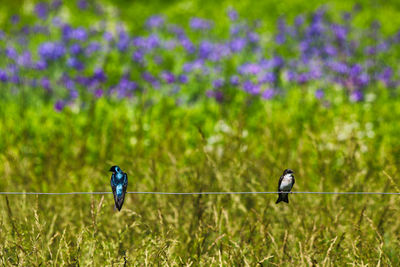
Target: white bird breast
{"x":287,"y":182}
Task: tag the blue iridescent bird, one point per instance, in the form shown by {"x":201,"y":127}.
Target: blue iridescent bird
{"x":119,"y":183}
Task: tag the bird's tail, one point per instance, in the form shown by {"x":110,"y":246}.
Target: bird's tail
{"x":283,"y":197}
{"x":119,"y":203}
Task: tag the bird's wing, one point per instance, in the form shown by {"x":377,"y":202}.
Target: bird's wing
{"x":293,"y":180}
{"x":125,"y":182}
{"x":113,"y":187}
{"x":279,"y":184}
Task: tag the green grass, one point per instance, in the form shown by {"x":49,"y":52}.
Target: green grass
{"x":204,"y":147}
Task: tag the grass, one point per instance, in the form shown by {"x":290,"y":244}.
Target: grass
{"x":203,"y":147}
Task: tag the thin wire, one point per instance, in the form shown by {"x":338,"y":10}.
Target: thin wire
{"x":200,"y":193}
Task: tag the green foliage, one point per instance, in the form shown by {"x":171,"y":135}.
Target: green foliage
{"x":206,"y":147}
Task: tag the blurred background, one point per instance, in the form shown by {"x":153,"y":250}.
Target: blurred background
{"x":190,"y":96}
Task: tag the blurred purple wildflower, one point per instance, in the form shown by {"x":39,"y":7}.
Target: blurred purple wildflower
{"x":218,"y":83}
{"x":183,"y":78}
{"x":42,"y":10}
{"x":75,"y":49}
{"x":59,"y":105}
{"x":15,"y":19}
{"x":268,"y":94}
{"x":232,"y":14}
{"x":238,"y":44}
{"x":11,"y":52}
{"x":319,"y":94}
{"x":98,"y":93}
{"x":75,"y":63}
{"x":199,"y":24}
{"x":155,"y":21}
{"x":51,"y":51}
{"x":82,"y":4}
{"x":356,"y":96}
{"x":234,"y":80}
{"x":3,"y":76}
{"x":168,"y":77}
{"x":78,"y":34}
{"x":99,"y":75}
{"x":45,"y":83}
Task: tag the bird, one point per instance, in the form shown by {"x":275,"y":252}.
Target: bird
{"x":119,"y":183}
{"x":286,"y":182}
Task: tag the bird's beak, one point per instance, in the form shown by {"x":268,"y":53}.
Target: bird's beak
{"x":111,"y":169}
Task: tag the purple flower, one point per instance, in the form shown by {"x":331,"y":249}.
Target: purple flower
{"x":302,"y":78}
{"x":73,"y":94}
{"x":188,"y":45}
{"x":153,"y":41}
{"x":57,"y":22}
{"x":217,"y":95}
{"x":234,"y":80}
{"x":82,"y":4}
{"x":277,"y":62}
{"x":25,"y":59}
{"x":249,"y":68}
{"x":79,"y":34}
{"x":168,"y":77}
{"x":66,"y":32}
{"x":92,"y":47}
{"x":269,"y":77}
{"x":200,"y":24}
{"x":251,"y":88}
{"x":75,"y":49}
{"x":280,"y":38}
{"x":182,"y":78}
{"x":138,"y":56}
{"x":339,"y":67}
{"x":299,"y":20}
{"x":356,"y":96}
{"x":42,"y":10}
{"x":99,"y":75}
{"x":59,"y":105}
{"x":98,"y":93}
{"x":340,"y":32}
{"x":147,"y":76}
{"x":14,"y":19}
{"x":205,"y":49}
{"x":232,"y":14}
{"x":56,"y":4}
{"x":218,"y":83}
{"x":370,"y":50}
{"x":75,"y":63}
{"x":268,"y":94}
{"x":11,"y":53}
{"x":40,"y":65}
{"x":238,"y":44}
{"x":51,"y":51}
{"x":45,"y":83}
{"x":330,"y":50}
{"x":108,"y":36}
{"x":123,"y":41}
{"x":3,"y":76}
{"x":253,"y":37}
{"x":155,"y":21}
{"x":355,"y":70}
{"x":319,"y":94}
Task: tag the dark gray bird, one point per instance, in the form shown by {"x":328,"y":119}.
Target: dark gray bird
{"x":286,"y":183}
{"x":119,"y":183}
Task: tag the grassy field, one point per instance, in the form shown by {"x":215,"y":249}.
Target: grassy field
{"x":348,"y":147}
{"x":168,"y":146}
